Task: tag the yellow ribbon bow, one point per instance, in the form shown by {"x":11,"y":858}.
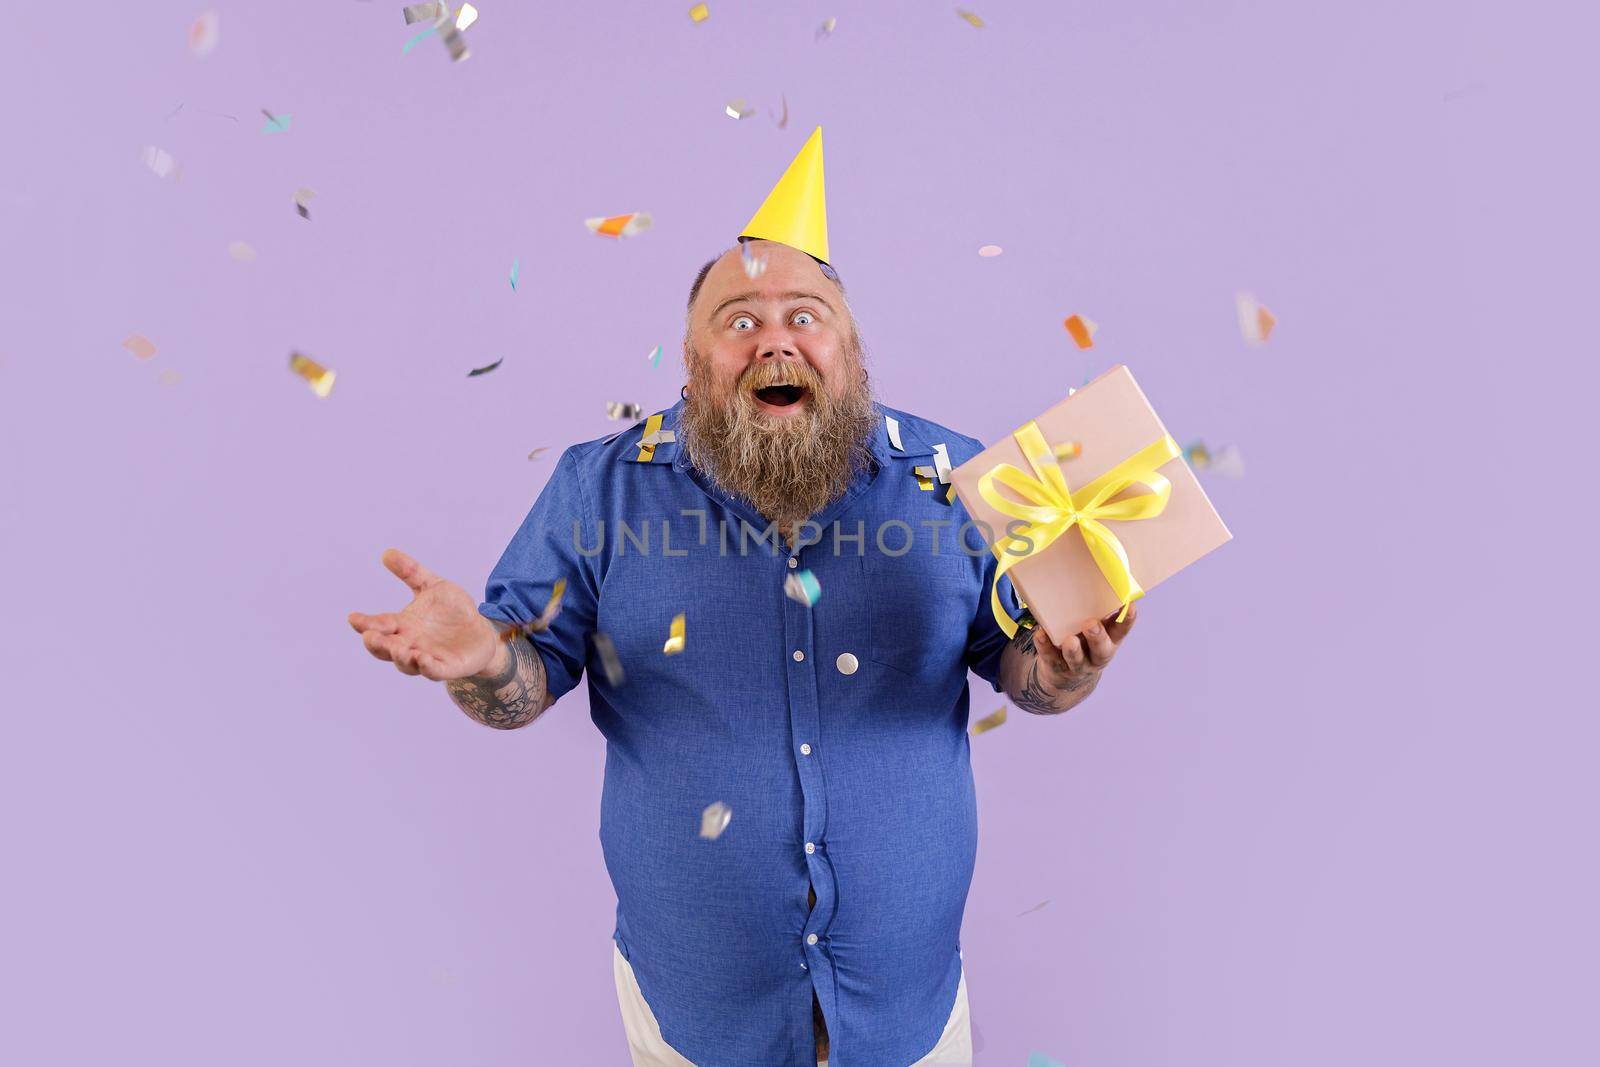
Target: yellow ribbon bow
{"x":1050,"y":508}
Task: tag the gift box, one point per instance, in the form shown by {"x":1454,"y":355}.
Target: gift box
{"x":1090,"y":504}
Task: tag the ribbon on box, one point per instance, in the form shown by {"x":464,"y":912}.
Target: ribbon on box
{"x":1051,"y":508}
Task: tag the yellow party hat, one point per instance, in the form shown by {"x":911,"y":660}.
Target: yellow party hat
{"x":795,"y":213}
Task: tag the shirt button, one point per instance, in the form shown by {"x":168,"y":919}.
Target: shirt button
{"x":805,"y":750}
{"x":810,"y":848}
{"x":846,"y":663}
{"x":811,"y":939}
{"x":798,"y":655}
{"x":793,"y":563}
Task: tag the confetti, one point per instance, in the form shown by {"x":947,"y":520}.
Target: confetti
{"x":139,"y":345}
{"x":619,"y":409}
{"x":160,"y":162}
{"x":426,"y":12}
{"x":892,"y":424}
{"x":699,"y":12}
{"x":466,"y":16}
{"x":1228,"y":462}
{"x":802,"y":587}
{"x":242,"y":252}
{"x":204,"y":33}
{"x":657,"y":437}
{"x":675,"y":636}
{"x":1039,"y":1059}
{"x":454,"y":41}
{"x":609,"y":663}
{"x":1081,"y":329}
{"x":420,"y":35}
{"x":783,"y":123}
{"x":1069,"y":449}
{"x":1033,"y":909}
{"x":546,"y":617}
{"x":989,"y":721}
{"x":1255,"y":321}
{"x":753,"y":265}
{"x":536,"y":453}
{"x":654,"y":358}
{"x":169,"y":377}
{"x":714,"y":820}
{"x":941,"y":463}
{"x":276,"y":123}
{"x":826,"y":29}
{"x":301,"y":195}
{"x":485,"y":370}
{"x":620,"y":225}
{"x":976,"y":22}
{"x":738,"y":109}
{"x":988,"y":251}
{"x":319,"y":377}
{"x":515,"y":267}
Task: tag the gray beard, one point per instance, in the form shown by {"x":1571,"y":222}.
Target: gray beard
{"x":787,"y":469}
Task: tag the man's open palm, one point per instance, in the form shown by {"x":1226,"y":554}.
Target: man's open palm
{"x":439,"y":635}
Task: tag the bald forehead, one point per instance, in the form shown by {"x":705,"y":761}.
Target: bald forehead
{"x":787,"y":268}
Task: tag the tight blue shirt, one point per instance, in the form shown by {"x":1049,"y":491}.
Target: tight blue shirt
{"x":836,"y":734}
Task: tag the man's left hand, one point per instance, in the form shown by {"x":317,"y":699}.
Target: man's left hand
{"x":1080,"y":659}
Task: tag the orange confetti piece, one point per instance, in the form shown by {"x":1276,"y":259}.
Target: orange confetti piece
{"x":140,"y":346}
{"x":620,"y":225}
{"x":1081,"y":329}
{"x":1255,"y":321}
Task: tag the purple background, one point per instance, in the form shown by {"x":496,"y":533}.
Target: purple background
{"x":1333,"y":804}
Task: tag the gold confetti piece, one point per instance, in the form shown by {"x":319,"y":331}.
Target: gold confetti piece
{"x":976,"y":22}
{"x":426,"y":12}
{"x":302,"y":196}
{"x":924,"y":482}
{"x":546,"y":617}
{"x":466,"y":16}
{"x":536,"y":453}
{"x":1082,"y":330}
{"x":169,"y":377}
{"x":319,"y":377}
{"x":621,"y":409}
{"x":139,"y":345}
{"x":204,"y":33}
{"x":242,"y":252}
{"x":675,"y":636}
{"x":738,"y":109}
{"x":1255,"y":321}
{"x":989,"y":721}
{"x":699,"y":12}
{"x":610,"y":664}
{"x":485,"y":370}
{"x":990,"y":250}
{"x":826,"y":28}
{"x":714,"y":820}
{"x":620,"y":225}
{"x":160,"y":162}
{"x":1033,"y":909}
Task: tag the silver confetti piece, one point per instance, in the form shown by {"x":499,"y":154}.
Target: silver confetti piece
{"x":609,"y":663}
{"x":714,"y":820}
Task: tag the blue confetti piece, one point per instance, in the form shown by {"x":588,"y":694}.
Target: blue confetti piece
{"x":277,"y":124}
{"x":654,"y":358}
{"x":412,"y":43}
{"x":1039,"y":1059}
{"x":515,"y":265}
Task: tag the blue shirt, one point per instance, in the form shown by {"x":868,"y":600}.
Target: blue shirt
{"x":835,"y":733}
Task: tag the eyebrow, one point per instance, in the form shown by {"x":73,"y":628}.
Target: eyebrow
{"x":751,"y":297}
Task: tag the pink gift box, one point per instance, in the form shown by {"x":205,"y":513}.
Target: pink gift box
{"x":1111,"y":420}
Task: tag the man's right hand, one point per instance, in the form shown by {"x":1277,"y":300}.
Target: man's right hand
{"x":439,"y":635}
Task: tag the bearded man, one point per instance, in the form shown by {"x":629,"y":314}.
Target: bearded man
{"x":823,"y":923}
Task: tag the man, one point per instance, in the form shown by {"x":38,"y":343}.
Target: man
{"x":822,"y":925}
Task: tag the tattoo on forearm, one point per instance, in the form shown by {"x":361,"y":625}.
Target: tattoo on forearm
{"x":511,"y":699}
{"x":1041,"y":698}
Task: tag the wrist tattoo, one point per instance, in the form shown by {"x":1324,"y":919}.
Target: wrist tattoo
{"x":510,"y":699}
{"x":1045,"y":698}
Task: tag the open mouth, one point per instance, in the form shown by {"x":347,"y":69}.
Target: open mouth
{"x":781,"y":396}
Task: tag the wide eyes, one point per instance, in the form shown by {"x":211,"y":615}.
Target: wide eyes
{"x":744,"y":323}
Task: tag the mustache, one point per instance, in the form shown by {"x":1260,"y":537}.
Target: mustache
{"x":764,"y":375}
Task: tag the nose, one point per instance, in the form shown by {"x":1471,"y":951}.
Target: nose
{"x":776,"y":343}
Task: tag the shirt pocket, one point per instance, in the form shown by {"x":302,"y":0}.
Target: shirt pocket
{"x":919,"y":609}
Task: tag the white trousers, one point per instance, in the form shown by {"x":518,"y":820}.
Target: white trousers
{"x":649,"y":1050}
